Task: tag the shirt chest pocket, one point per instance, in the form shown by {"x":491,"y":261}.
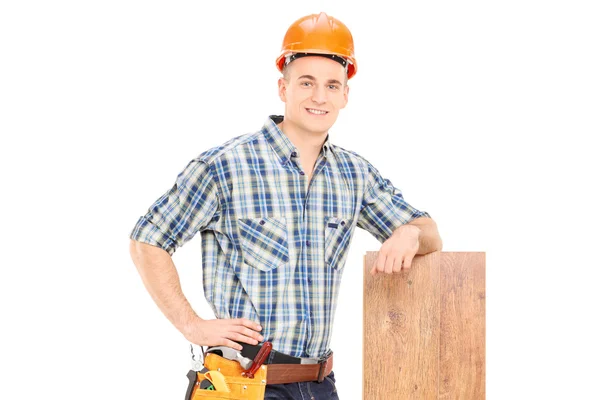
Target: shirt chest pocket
{"x":338,"y":233}
{"x":264,"y":242}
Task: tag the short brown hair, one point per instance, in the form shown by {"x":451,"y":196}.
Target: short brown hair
{"x":286,"y":74}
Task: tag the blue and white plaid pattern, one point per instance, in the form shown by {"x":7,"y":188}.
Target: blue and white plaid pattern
{"x":273,"y":246}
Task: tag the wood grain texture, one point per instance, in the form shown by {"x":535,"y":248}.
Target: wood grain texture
{"x":424,"y":329}
{"x":401,"y":331}
{"x":462,"y":344}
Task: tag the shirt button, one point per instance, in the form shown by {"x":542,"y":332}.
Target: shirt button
{"x":308,"y":243}
{"x":301,"y":172}
{"x":343,"y":223}
{"x":294,"y":154}
{"x":262,"y":222}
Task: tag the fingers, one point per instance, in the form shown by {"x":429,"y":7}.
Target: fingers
{"x":407,"y":262}
{"x":225,"y":332}
{"x":390,"y":264}
{"x":397,"y":252}
{"x":379,"y":265}
{"x":248,"y":323}
{"x":238,"y":337}
{"x":244,"y":330}
{"x":374,"y":267}
{"x":232,"y":344}
{"x":247,"y":335}
{"x":397,"y":265}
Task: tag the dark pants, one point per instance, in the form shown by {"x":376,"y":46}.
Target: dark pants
{"x":314,"y":390}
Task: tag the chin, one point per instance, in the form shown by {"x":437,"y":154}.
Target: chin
{"x":318,"y":126}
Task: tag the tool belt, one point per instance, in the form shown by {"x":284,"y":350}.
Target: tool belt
{"x":228,"y":379}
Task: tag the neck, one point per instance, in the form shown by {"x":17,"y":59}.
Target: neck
{"x":302,"y":139}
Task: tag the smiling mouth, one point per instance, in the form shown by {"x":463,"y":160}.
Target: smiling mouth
{"x":314,"y":111}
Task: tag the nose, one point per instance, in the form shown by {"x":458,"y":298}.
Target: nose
{"x":319,"y":94}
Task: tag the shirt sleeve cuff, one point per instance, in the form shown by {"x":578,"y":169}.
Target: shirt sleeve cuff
{"x":419,"y":214}
{"x":416,"y":214}
{"x":145,"y":231}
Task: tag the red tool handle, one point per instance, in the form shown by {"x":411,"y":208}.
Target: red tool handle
{"x":260,"y":358}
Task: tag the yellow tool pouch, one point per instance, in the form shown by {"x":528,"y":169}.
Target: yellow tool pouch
{"x":226,"y":377}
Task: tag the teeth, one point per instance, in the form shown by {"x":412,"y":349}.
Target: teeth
{"x":313,"y":111}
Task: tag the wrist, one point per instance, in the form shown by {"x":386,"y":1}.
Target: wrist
{"x":407,"y":228}
{"x":190,"y":325}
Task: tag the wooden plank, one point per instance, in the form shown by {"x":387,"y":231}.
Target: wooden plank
{"x":462,"y":345}
{"x":401,"y":331}
{"x":424,"y":330}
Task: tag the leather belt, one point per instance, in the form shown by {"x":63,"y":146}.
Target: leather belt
{"x":284,"y":368}
{"x":287,"y":373}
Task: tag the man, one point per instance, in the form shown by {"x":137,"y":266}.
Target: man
{"x":276,"y":210}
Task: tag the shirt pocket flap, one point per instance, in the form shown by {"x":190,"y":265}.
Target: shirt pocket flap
{"x":337,"y":239}
{"x":264,"y":242}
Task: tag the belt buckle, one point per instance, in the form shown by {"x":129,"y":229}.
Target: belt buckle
{"x":322,"y":366}
{"x":321,"y":377}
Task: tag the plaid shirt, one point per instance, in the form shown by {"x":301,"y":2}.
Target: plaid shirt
{"x":274,"y":245}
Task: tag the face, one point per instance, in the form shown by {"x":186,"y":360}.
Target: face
{"x":314,"y":93}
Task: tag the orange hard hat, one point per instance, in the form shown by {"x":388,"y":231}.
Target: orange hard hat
{"x":318,"y":34}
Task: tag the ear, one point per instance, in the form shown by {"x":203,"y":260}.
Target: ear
{"x":281,"y":83}
{"x":346,"y":91}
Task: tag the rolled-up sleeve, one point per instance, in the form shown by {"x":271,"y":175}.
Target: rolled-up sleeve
{"x":383,"y":207}
{"x":190,"y":206}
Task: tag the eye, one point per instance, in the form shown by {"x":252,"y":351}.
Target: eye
{"x":333,"y":87}
{"x":305,"y":83}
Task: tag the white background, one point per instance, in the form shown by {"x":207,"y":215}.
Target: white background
{"x":482,"y":113}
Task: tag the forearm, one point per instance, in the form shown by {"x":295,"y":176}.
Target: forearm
{"x":161,"y":279}
{"x":429,"y":237}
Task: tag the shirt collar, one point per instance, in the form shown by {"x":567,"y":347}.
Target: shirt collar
{"x":281,"y":144}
